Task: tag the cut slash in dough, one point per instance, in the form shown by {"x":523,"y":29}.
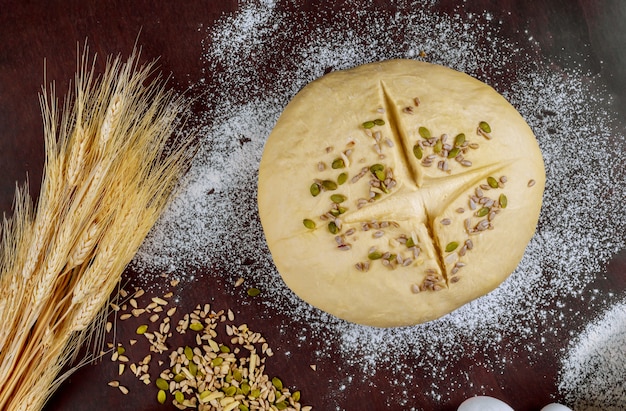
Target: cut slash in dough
{"x":414,"y":181}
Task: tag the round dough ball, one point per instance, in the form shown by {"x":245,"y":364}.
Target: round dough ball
{"x":395,"y":192}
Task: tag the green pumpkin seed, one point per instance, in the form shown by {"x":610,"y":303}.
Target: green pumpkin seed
{"x":493,"y":183}
{"x":482,"y":212}
{"x":375,"y":255}
{"x":342,"y":178}
{"x":459,"y":140}
{"x":315,"y":189}
{"x":332,"y":227}
{"x":142,"y":329}
{"x":179,"y":396}
{"x":255,"y":393}
{"x":193,"y":368}
{"x":224,"y":349}
{"x":338,"y":198}
{"x":161,"y":397}
{"x":230,"y":391}
{"x":245,"y":388}
{"x":376,"y":167}
{"x":368,"y":124}
{"x":310,"y":224}
{"x":296,"y":396}
{"x":380,"y":174}
{"x":162,"y":384}
{"x":196,"y":327}
{"x":342,"y":210}
{"x":179,"y":377}
{"x":281,"y":405}
{"x":338,"y":163}
{"x":484,"y":126}
{"x":217,"y":361}
{"x":418,"y":152}
{"x":188,"y":353}
{"x":121,"y":350}
{"x":438,"y":146}
{"x":424,"y":132}
{"x":243,"y":407}
{"x":451,"y":246}
{"x":253,"y":292}
{"x":329,"y":185}
{"x":379,"y":122}
{"x":503,"y":201}
{"x":276,"y":382}
{"x":410,"y":243}
{"x":454,"y":152}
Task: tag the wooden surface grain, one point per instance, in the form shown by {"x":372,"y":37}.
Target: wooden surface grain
{"x":43,"y":37}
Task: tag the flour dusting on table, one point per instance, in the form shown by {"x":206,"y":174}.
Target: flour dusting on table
{"x":255,"y":63}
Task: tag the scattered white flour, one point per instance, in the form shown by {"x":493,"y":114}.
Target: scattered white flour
{"x":594,"y":371}
{"x":255,"y":65}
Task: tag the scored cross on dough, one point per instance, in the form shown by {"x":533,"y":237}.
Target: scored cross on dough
{"x":343,"y":273}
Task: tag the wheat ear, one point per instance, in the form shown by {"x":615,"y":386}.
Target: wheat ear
{"x":113,"y":158}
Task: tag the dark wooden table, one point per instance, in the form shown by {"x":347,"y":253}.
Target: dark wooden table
{"x":565,"y":33}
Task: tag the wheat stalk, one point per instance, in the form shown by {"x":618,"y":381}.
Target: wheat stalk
{"x":111,"y":166}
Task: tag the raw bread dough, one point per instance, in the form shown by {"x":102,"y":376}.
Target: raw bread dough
{"x":434,"y":234}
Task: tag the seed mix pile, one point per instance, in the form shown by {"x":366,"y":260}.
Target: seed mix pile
{"x":205,"y":375}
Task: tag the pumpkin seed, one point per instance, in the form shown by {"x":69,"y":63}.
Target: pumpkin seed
{"x":342,"y":210}
{"x":188,"y":353}
{"x":368,"y":124}
{"x":296,"y":396}
{"x":310,"y":224}
{"x":342,"y":178}
{"x":253,"y":292}
{"x":338,"y":198}
{"x":375,"y":255}
{"x":245,"y":388}
{"x":329,"y":185}
{"x":230,"y":391}
{"x":162,"y":384}
{"x":493,"y":183}
{"x":338,"y":163}
{"x":276,"y":382}
{"x":380,"y":174}
{"x":379,"y":122}
{"x":196,"y":327}
{"x":315,"y":189}
{"x":459,"y":140}
{"x":281,"y":405}
{"x":193,"y":368}
{"x":255,"y":393}
{"x":161,"y":397}
{"x":121,"y":350}
{"x":424,"y":132}
{"x":376,"y":167}
{"x":484,"y":126}
{"x":217,"y":361}
{"x":142,"y":329}
{"x":224,"y":349}
{"x":179,"y":377}
{"x":438,"y":146}
{"x":451,"y":246}
{"x":243,"y":407}
{"x":332,"y":227}
{"x":418,"y":152}
{"x":410,"y":243}
{"x":179,"y":396}
{"x":503,"y":201}
{"x":482,"y":212}
{"x":454,"y":152}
